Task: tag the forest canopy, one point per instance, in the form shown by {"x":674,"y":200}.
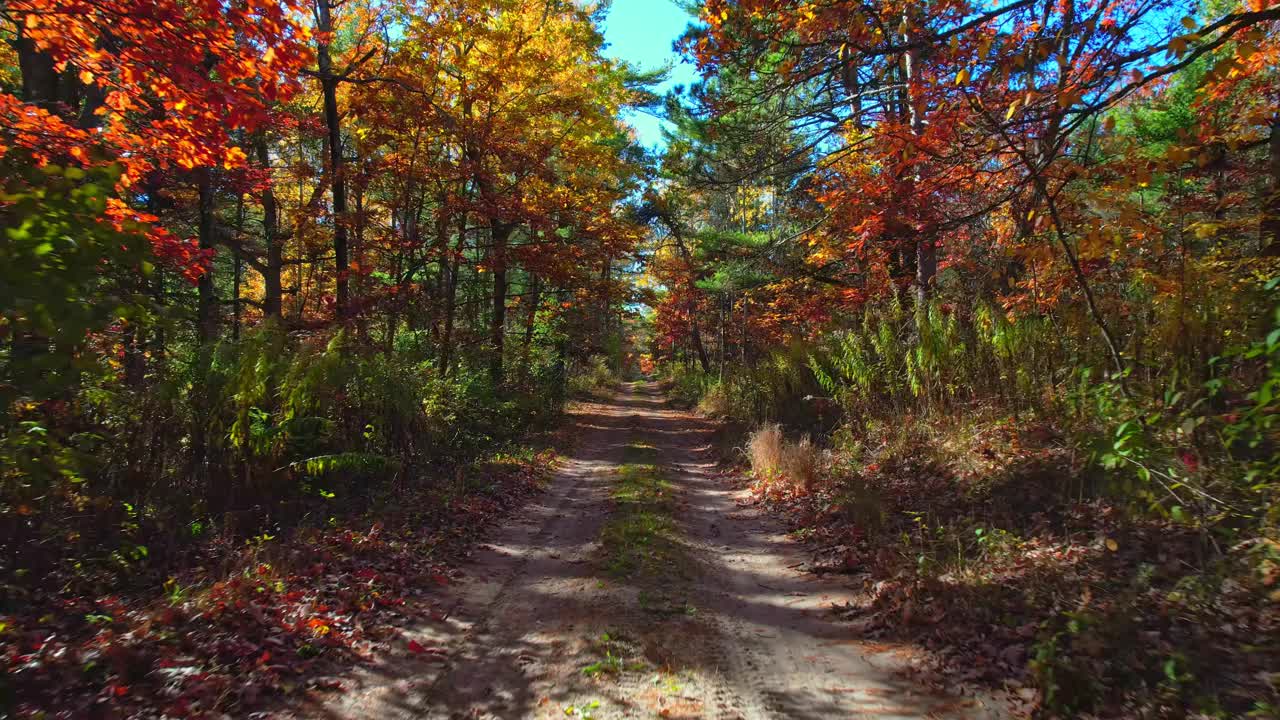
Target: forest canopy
{"x":258,"y":255}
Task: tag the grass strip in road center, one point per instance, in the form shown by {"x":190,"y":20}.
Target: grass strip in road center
{"x":640,"y":541}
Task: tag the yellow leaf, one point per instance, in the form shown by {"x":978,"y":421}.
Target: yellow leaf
{"x":234,"y":158}
{"x":962,"y":77}
{"x":1205,"y":230}
{"x":1112,"y":545}
{"x":86,"y":77}
{"x":1188,"y":23}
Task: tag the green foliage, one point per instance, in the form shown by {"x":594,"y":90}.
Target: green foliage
{"x":1253,"y":430}
{"x":59,"y":249}
{"x":351,"y":464}
{"x":685,"y":384}
{"x":935,"y":358}
{"x":776,"y":388}
{"x":593,"y":378}
{"x":1178,"y":454}
{"x":260,"y":431}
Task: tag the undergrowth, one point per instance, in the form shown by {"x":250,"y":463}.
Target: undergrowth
{"x":978,"y":539}
{"x":263,"y":623}
{"x":594,"y":378}
{"x":1096,"y":544}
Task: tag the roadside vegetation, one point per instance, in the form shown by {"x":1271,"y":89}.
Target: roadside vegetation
{"x":291,"y":294}
{"x":997,"y":325}
{"x":1096,"y":544}
{"x":288,"y":301}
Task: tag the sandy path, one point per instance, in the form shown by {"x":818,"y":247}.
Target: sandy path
{"x":540,"y":630}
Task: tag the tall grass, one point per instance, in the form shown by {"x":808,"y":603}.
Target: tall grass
{"x":775,"y":459}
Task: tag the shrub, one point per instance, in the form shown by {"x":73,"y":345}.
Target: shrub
{"x":716,"y":401}
{"x":592,"y":379}
{"x":685,"y":384}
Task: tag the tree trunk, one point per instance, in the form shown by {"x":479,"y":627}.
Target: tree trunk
{"x":696,"y":337}
{"x":40,"y":79}
{"x":362,"y":325}
{"x":273,"y":288}
{"x":722,"y":301}
{"x":451,"y":297}
{"x":926,"y":245}
{"x":1060,"y":232}
{"x":926,"y":268}
{"x":206,"y":333}
{"x":333,"y":142}
{"x":694,"y":332}
{"x":135,"y":359}
{"x":501,"y":233}
{"x":530,"y":317}
{"x":207,"y":307}
{"x":238,"y":271}
{"x":440,"y":252}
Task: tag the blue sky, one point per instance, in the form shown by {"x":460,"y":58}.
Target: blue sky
{"x":641,"y":32}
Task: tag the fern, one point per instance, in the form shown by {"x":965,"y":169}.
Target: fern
{"x":352,"y":462}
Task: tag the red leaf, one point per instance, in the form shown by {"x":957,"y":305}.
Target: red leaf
{"x":417,"y":648}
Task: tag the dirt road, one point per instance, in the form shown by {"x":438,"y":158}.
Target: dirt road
{"x":722,"y":627}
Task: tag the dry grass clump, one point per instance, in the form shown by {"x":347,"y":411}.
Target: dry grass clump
{"x":774,"y":458}
{"x":764,"y":449}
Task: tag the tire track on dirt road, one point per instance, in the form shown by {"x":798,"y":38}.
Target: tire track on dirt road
{"x":540,"y":629}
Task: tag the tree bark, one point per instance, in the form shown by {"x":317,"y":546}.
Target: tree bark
{"x":530,"y":317}
{"x":695,"y":335}
{"x":1060,"y":231}
{"x":926,"y":244}
{"x":333,"y":141}
{"x":207,"y":305}
{"x":238,"y":271}
{"x":40,"y":80}
{"x":451,"y":297}
{"x":501,"y":233}
{"x":694,"y":332}
{"x":273,"y":287}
